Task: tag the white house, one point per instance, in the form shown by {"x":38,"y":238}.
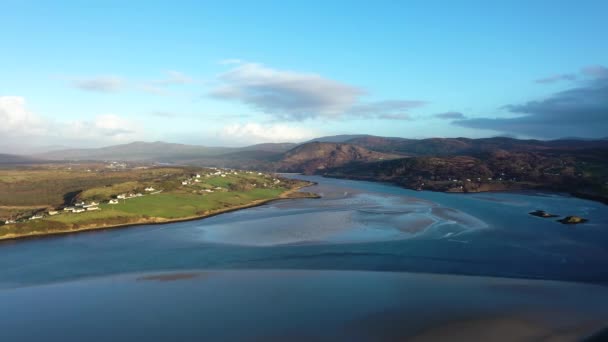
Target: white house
{"x":53,"y":212}
{"x":184,"y":182}
{"x":93,"y":208}
{"x":149,"y":189}
{"x":113,"y":201}
{"x":79,"y":204}
{"x":76,"y":211}
{"x":121,"y":196}
{"x":35,"y":217}
{"x":197,"y":176}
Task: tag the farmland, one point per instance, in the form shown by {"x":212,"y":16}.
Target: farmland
{"x":32,"y":199}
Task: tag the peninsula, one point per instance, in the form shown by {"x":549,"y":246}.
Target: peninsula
{"x":67,"y":198}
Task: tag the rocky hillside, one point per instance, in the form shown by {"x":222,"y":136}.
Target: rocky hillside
{"x":317,"y":156}
{"x":584,"y":173}
{"x":466,"y":146}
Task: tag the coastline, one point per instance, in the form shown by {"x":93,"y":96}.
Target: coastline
{"x":581,"y":195}
{"x":159,"y":221}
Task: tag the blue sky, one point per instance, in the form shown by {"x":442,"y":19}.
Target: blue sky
{"x":97,"y":73}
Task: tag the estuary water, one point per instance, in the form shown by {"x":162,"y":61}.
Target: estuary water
{"x":354,"y":226}
{"x":366,"y":262}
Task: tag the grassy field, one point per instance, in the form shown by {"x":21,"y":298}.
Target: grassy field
{"x":55,"y":185}
{"x":211,"y":194}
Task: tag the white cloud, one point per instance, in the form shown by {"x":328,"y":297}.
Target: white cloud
{"x":113,"y":84}
{"x":106,"y":127}
{"x":103,"y":84}
{"x":16,"y":119}
{"x":18,"y":125}
{"x":286,"y":94}
{"x":297,"y":96}
{"x":160,"y":86}
{"x":258,"y":133}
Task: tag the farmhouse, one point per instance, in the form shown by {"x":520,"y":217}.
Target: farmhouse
{"x":92,"y":204}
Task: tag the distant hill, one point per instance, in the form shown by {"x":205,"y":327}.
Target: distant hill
{"x":136,"y":151}
{"x":460,"y":146}
{"x":158,"y":152}
{"x":315,"y":156}
{"x":12,"y":159}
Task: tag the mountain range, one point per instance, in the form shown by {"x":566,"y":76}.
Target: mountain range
{"x":501,"y":163}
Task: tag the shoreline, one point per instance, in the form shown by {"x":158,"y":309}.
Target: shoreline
{"x":585,"y":196}
{"x":159,"y":221}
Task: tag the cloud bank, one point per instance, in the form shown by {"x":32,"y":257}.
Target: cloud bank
{"x":449,"y":115}
{"x":259,"y":133}
{"x":101,"y":84}
{"x":297,"y":96}
{"x":21,"y":127}
{"x":556,"y":78}
{"x":114,"y":84}
{"x":580,"y":111}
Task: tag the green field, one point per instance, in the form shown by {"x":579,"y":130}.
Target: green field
{"x":176,"y":201}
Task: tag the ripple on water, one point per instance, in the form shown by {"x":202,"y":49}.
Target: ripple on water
{"x":352,"y":218}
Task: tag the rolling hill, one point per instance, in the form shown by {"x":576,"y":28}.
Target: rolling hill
{"x":316,"y":156}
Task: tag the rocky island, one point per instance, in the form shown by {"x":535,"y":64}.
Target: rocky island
{"x":572,"y":220}
{"x":543,"y":214}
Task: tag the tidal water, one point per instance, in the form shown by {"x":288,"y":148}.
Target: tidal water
{"x":366,"y":262}
{"x":354,"y":226}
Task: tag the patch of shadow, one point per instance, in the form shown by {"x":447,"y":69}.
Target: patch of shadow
{"x":172,"y":277}
{"x":69,"y":197}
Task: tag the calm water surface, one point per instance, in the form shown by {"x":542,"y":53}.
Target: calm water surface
{"x":355,"y":226}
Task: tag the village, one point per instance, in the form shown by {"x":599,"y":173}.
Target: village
{"x":196,"y":183}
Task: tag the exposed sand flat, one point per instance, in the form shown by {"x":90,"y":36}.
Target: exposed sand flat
{"x":458,"y":217}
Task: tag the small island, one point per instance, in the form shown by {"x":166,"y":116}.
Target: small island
{"x":68,"y":198}
{"x":543,"y":214}
{"x":572,"y":220}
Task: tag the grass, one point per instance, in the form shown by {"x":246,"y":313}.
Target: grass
{"x":175,"y":202}
{"x":53,"y":186}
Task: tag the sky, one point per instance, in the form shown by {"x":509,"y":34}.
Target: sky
{"x":233,"y":73}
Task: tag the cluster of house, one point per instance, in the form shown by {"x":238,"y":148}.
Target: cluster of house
{"x":193,"y":179}
{"x":127,"y":196}
{"x":217,"y":188}
{"x":80,"y":207}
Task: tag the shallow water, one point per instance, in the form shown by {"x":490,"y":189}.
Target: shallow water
{"x":355,"y":226}
{"x":302,"y":306}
